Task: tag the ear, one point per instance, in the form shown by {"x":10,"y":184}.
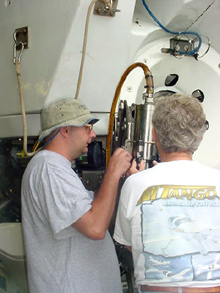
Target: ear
{"x":154,"y":136}
{"x":64,"y":131}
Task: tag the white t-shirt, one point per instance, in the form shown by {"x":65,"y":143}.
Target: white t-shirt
{"x":170,"y":216}
{"x":59,"y":258}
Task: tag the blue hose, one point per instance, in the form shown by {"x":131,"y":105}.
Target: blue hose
{"x":176,"y":33}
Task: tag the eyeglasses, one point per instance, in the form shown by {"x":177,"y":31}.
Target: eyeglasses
{"x":89,"y":126}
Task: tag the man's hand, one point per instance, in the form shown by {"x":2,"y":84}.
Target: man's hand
{"x":133,"y":169}
{"x":119,"y":162}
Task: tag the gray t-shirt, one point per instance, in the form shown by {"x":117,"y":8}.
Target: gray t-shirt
{"x":59,"y":258}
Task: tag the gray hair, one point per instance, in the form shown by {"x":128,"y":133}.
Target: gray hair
{"x":179,"y":122}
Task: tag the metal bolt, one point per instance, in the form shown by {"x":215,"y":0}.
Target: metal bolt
{"x":7,"y":2}
{"x":129,"y":88}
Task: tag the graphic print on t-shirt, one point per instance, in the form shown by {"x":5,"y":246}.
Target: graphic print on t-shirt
{"x":181,"y":233}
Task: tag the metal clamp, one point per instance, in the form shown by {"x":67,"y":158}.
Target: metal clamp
{"x":20,"y":37}
{"x":105,"y":8}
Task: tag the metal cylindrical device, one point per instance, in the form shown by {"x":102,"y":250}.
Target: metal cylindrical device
{"x":144,"y":147}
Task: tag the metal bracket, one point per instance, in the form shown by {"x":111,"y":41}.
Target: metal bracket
{"x":21,"y":36}
{"x":177,"y":45}
{"x":20,"y":43}
{"x":184,"y":45}
{"x":106,"y":10}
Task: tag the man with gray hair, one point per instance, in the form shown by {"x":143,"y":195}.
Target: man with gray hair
{"x":169,"y":214}
{"x":68,"y":247}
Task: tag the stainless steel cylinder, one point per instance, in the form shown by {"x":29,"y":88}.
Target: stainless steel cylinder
{"x":143,"y":147}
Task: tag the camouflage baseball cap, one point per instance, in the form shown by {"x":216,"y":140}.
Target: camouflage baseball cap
{"x":64,"y":112}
